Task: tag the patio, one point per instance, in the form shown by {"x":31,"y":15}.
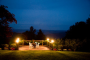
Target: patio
{"x":26,"y":47}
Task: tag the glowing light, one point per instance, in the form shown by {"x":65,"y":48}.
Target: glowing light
{"x":48,"y":39}
{"x":52,"y":41}
{"x":17,"y":41}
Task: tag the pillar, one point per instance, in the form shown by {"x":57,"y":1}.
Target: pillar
{"x":42,"y":42}
{"x":33,"y":41}
{"x":23,"y":42}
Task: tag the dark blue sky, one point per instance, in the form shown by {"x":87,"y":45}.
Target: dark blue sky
{"x":47,"y":14}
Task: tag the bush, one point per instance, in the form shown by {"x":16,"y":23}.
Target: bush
{"x":2,"y":46}
{"x":60,"y":47}
{"x":6,"y":45}
{"x":13,"y":46}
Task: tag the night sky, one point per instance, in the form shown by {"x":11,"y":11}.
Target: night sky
{"x":47,"y":14}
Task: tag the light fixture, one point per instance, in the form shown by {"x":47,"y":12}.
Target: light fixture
{"x":52,"y":41}
{"x":48,"y":39}
{"x":17,"y":41}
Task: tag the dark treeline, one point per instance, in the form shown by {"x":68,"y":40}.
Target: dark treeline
{"x":78,"y":36}
{"x":5,"y":31}
{"x":30,"y":35}
{"x":80,"y":30}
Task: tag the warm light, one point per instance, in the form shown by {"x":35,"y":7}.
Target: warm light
{"x":17,"y":41}
{"x":52,"y":41}
{"x":47,"y":39}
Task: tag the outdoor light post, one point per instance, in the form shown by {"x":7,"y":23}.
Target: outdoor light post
{"x":17,"y":43}
{"x":49,"y":44}
{"x":52,"y":41}
{"x":47,"y":41}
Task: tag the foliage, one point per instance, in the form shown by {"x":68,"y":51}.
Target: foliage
{"x":80,"y":30}
{"x":13,"y":45}
{"x":77,"y":37}
{"x":40,"y":35}
{"x":75,"y":31}
{"x":58,"y":44}
{"x":5,"y":19}
{"x":30,"y":34}
{"x":15,"y":36}
{"x":76,"y":44}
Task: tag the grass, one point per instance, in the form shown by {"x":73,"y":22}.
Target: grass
{"x":43,"y":55}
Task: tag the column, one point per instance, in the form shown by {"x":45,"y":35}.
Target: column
{"x":23,"y":42}
{"x":42,"y":42}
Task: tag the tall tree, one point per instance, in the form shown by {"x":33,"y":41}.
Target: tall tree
{"x":88,"y":28}
{"x":5,"y":19}
{"x":40,"y":35}
{"x":77,"y":31}
{"x":30,"y":34}
{"x":79,"y":35}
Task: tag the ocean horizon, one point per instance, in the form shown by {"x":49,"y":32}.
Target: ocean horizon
{"x":48,"y":33}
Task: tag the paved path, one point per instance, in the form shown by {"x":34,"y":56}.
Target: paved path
{"x":27,"y":48}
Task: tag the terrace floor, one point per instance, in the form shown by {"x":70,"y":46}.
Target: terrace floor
{"x":39,"y":48}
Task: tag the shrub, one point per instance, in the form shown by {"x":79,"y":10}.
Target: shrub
{"x":55,"y":49}
{"x":13,"y":46}
{"x":6,"y":45}
{"x":2,"y":46}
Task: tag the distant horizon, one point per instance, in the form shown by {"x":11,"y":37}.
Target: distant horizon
{"x":48,"y":33}
{"x":45,"y":31}
{"x":36,"y":29}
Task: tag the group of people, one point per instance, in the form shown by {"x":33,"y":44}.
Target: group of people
{"x":34,"y":45}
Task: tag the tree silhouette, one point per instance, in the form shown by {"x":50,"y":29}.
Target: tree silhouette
{"x":5,"y":19}
{"x":88,"y":21}
{"x":80,"y":31}
{"x":26,"y":33}
{"x":88,"y":27}
{"x":77,"y":31}
{"x":40,"y":35}
{"x":30,"y":34}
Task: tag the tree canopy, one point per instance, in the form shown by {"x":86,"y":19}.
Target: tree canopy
{"x":40,"y":35}
{"x":80,"y":30}
{"x":5,"y":19}
{"x":29,"y":35}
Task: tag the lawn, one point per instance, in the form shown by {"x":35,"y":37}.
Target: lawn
{"x":43,"y":55}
